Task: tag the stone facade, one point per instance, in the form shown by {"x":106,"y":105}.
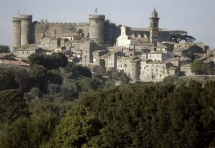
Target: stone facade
{"x":156,"y":71}
{"x":185,"y":70}
{"x":144,"y":54}
{"x":26,"y":31}
{"x":26,"y":51}
{"x":131,"y":66}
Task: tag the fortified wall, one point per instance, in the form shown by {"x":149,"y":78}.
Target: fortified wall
{"x":98,"y":29}
{"x":46,"y":29}
{"x":27,"y":32}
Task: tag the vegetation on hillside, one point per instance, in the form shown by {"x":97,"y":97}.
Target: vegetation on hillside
{"x":199,"y":67}
{"x":59,"y":104}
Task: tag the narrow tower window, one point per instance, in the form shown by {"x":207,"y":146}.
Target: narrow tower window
{"x":155,"y":24}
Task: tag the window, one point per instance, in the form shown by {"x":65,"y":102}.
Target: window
{"x":155,"y":24}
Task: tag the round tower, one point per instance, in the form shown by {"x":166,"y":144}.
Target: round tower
{"x":16,"y":32}
{"x":96,"y":28}
{"x":25,"y":28}
{"x":154,"y":27}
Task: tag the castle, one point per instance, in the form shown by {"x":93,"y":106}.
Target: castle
{"x":144,"y":54}
{"x":101,"y":31}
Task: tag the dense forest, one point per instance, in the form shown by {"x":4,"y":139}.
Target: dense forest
{"x":55,"y":103}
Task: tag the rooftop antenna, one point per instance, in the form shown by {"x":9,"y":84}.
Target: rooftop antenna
{"x":25,"y":9}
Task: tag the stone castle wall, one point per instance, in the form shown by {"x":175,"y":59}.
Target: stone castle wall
{"x":42,"y":29}
{"x":98,"y":29}
{"x":16,"y":32}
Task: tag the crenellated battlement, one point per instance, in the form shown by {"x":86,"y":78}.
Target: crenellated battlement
{"x":96,"y":16}
{"x":63,"y":23}
{"x":83,"y":24}
{"x":16,"y":19}
{"x":112,"y":24}
{"x":25,"y":17}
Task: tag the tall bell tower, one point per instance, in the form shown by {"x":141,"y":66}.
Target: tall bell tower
{"x":154,"y":27}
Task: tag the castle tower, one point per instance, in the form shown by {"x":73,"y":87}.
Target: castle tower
{"x":154,"y":27}
{"x":16,"y":32}
{"x":96,"y":28}
{"x":25,"y":28}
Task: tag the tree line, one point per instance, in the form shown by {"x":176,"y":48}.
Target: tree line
{"x":61,"y":104}
{"x":141,"y":115}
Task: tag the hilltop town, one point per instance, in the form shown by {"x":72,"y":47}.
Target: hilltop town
{"x":98,"y":84}
{"x":144,"y":54}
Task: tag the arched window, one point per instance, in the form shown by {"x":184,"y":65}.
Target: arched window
{"x":155,"y":24}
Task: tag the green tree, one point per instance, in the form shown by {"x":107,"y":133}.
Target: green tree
{"x":4,"y":49}
{"x":208,"y":68}
{"x":38,"y":76}
{"x":12,"y":106}
{"x":29,"y":132}
{"x":77,"y":71}
{"x":197,"y":66}
{"x":76,"y":129}
{"x":171,"y":79}
{"x":178,"y":37}
{"x":53,"y":61}
{"x":7,"y":79}
{"x":18,"y":135}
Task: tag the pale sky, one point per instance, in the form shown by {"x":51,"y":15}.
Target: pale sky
{"x":197,"y":17}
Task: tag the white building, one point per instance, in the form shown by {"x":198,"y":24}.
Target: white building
{"x":123,"y":40}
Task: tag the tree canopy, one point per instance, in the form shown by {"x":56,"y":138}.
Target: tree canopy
{"x":178,"y":37}
{"x":151,"y":115}
{"x":53,"y":61}
{"x":199,"y":67}
{"x":4,"y":49}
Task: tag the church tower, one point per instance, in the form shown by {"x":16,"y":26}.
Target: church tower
{"x":154,"y":27}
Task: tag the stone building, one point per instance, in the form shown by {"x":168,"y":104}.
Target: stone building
{"x":189,"y":49}
{"x":157,"y":56}
{"x":110,"y":59}
{"x":25,"y":51}
{"x":27,"y":32}
{"x":144,"y":54}
{"x":131,"y":66}
{"x":101,"y":31}
{"x":185,"y":70}
{"x":156,"y":71}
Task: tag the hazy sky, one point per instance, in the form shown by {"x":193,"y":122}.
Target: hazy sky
{"x":197,"y":17}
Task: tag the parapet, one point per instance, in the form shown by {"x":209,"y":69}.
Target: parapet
{"x":26,"y":17}
{"x":96,"y":16}
{"x":112,"y":24}
{"x":83,"y":24}
{"x":16,"y":19}
{"x":63,"y":23}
